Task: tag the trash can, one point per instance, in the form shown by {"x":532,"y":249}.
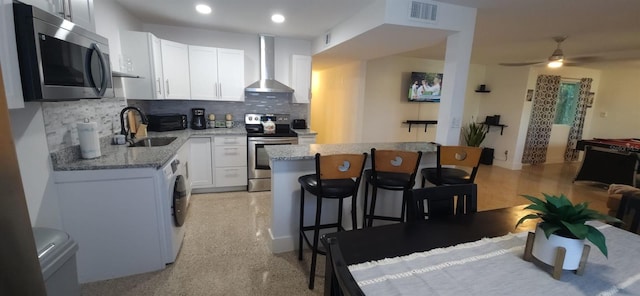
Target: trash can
{"x":57,"y":255}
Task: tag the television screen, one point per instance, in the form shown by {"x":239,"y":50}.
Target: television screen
{"x":425,"y":87}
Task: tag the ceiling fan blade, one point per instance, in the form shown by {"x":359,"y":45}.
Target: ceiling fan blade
{"x":519,"y":64}
{"x":587,"y":59}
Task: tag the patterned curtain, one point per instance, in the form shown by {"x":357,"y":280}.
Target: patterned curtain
{"x":542,"y":116}
{"x":575,"y":133}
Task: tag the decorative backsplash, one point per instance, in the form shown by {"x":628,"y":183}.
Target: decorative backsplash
{"x":252,"y":104}
{"x":60,"y":118}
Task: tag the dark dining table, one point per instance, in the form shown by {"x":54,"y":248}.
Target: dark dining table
{"x":393,"y":240}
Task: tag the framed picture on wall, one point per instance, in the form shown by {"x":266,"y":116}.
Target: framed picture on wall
{"x":425,"y":87}
{"x":590,"y":99}
{"x":529,"y":95}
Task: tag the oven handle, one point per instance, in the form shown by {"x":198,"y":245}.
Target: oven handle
{"x":265,"y":140}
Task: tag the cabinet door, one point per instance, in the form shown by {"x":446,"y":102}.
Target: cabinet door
{"x":301,"y":78}
{"x":9,"y":57}
{"x":201,"y":162}
{"x":231,"y":74}
{"x":82,"y":13}
{"x":203,"y":69}
{"x":175,"y":66}
{"x":156,"y":70}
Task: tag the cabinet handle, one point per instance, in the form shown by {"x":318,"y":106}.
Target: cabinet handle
{"x":167,"y":90}
{"x":66,"y":6}
{"x":159,"y":86}
{"x":220,"y":89}
{"x":186,"y":168}
{"x":215,"y":88}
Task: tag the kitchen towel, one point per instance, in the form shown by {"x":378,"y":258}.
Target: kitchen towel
{"x":89,"y":140}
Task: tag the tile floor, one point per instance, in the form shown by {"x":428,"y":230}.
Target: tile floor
{"x":225,"y":250}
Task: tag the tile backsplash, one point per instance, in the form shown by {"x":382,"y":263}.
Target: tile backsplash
{"x":60,"y":118}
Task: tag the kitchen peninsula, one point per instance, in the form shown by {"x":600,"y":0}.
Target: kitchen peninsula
{"x":288,"y":162}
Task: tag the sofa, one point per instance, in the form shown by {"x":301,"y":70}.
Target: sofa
{"x":616,"y":191}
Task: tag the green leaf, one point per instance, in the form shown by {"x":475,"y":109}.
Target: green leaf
{"x":597,"y":238}
{"x":527,"y":217}
{"x":549,"y":228}
{"x":578,"y":230}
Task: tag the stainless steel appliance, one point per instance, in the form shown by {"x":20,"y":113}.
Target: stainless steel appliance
{"x":259,"y":173}
{"x":58,"y":59}
{"x":198,"y":121}
{"x":167,"y":122}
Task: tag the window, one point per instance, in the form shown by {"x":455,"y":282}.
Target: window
{"x":567,"y":103}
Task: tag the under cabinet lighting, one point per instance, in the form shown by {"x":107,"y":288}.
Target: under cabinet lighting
{"x":203,"y":8}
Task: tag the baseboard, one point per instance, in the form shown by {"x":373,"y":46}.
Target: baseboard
{"x":281,"y":244}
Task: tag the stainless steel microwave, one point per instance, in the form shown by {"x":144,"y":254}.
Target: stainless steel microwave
{"x":59,"y":60}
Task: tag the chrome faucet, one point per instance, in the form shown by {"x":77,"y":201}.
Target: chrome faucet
{"x":123,"y":130}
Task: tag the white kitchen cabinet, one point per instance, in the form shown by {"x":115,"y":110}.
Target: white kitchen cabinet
{"x":9,"y":57}
{"x":306,"y":139}
{"x":301,"y":78}
{"x":114,"y":216}
{"x":218,"y":163}
{"x":80,"y":12}
{"x":144,"y":51}
{"x":175,"y":70}
{"x":201,"y":163}
{"x":217,"y":74}
{"x":230,"y":161}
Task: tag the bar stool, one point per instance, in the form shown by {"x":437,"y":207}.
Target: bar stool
{"x":391,"y":170}
{"x":336,"y":177}
{"x":458,"y":156}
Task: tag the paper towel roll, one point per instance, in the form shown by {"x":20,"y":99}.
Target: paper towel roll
{"x":89,"y":140}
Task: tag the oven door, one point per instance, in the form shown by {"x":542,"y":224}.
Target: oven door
{"x":258,"y":158}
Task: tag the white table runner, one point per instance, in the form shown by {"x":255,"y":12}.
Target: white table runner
{"x":495,"y":267}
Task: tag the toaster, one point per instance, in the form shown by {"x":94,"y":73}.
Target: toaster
{"x":167,"y":122}
{"x":299,"y":124}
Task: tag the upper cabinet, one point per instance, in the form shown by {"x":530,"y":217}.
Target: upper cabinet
{"x":175,"y":70}
{"x":80,"y":12}
{"x":217,"y":74}
{"x":301,"y":78}
{"x":144,"y":51}
{"x":9,"y":58}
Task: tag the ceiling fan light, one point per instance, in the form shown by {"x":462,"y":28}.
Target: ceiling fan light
{"x":555,"y":64}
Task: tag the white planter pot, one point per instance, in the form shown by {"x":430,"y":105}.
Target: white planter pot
{"x":545,"y":249}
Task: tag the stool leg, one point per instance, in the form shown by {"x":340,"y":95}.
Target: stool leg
{"x":354,"y":213}
{"x":423,"y":181}
{"x":365,"y":216}
{"x":340,"y":203}
{"x":300,"y":238}
{"x":404,"y":206}
{"x":316,"y":236}
{"x":372,"y":210}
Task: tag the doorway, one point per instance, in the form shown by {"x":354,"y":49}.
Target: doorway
{"x":568,"y":98}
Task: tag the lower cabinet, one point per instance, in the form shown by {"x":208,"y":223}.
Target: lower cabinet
{"x":218,"y":163}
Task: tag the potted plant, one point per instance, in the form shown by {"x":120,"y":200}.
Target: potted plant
{"x":474,"y":133}
{"x":563,"y":224}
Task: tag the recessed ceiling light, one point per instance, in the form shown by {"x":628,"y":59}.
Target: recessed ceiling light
{"x":277,"y":18}
{"x":203,"y":8}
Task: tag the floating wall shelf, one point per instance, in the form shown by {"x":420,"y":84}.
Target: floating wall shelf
{"x":425,"y":122}
{"x":489,"y":125}
{"x":482,"y":91}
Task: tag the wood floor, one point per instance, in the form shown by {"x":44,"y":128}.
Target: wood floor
{"x":499,"y":187}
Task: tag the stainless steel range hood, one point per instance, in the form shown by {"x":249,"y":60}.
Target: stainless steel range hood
{"x":267,"y":82}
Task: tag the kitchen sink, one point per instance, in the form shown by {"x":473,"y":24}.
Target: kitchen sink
{"x":153,"y":142}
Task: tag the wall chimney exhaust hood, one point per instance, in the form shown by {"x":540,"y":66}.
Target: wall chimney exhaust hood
{"x":267,"y":82}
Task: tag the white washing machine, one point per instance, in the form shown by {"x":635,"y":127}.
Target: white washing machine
{"x":175,"y":205}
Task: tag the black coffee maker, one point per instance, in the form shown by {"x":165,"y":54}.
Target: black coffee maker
{"x":197,"y":119}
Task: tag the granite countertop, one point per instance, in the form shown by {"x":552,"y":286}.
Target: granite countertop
{"x":122,"y":156}
{"x":297,"y":152}
{"x":305,"y":132}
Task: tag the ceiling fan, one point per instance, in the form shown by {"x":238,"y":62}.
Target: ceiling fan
{"x":557,"y":58}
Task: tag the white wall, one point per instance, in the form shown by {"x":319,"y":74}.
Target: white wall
{"x":110,"y":19}
{"x":386,"y":106}
{"x":619,"y":98}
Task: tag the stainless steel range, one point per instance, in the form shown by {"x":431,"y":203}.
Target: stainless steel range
{"x":258,"y":161}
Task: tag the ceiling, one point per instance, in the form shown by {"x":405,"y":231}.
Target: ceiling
{"x":506,"y":30}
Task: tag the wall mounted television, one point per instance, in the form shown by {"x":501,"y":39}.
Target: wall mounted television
{"x":425,"y":87}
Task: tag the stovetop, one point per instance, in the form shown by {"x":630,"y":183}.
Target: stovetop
{"x":253,"y":125}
